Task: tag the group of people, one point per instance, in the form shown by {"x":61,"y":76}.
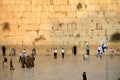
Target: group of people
{"x":62,"y":52}
{"x":101,"y":51}
{"x":5,"y":63}
{"x":24,"y":59}
{"x":27,"y":60}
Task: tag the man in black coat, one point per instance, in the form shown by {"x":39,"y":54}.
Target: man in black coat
{"x":74,"y":49}
{"x":4,"y":50}
{"x":84,"y":76}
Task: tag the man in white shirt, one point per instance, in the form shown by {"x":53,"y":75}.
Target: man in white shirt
{"x":63,"y":52}
{"x":55,"y":53}
{"x":99,"y":52}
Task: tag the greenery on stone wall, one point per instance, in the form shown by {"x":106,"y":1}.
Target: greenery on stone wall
{"x":6,"y":26}
{"x":79,"y":6}
{"x":115,"y":37}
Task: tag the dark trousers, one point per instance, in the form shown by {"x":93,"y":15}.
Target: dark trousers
{"x":62,"y":55}
{"x":4,"y":53}
{"x":88,"y":52}
{"x":55,"y":55}
{"x":11,"y":67}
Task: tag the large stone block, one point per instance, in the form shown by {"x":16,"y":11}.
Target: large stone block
{"x":29,"y":27}
{"x":26,"y":2}
{"x":71,"y":14}
{"x":59,"y":8}
{"x":37,"y":8}
{"x":44,"y":20}
{"x":81,"y":14}
{"x":101,"y":1}
{"x":6,"y":2}
{"x":46,"y":27}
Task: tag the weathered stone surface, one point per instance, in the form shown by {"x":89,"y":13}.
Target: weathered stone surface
{"x":58,"y":22}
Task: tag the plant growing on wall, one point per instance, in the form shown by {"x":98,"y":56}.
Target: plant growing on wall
{"x":6,"y":26}
{"x":79,"y":6}
{"x":78,"y":35}
{"x":115,"y":37}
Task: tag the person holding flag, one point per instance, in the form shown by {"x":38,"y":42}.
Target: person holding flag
{"x":99,"y":53}
{"x":102,"y":49}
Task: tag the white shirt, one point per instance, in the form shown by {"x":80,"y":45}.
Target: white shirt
{"x":63,"y":51}
{"x":99,"y":48}
{"x":55,"y":51}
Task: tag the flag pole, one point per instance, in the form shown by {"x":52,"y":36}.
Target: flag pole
{"x":107,"y":59}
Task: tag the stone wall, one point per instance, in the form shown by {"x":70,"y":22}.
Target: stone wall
{"x":58,"y":22}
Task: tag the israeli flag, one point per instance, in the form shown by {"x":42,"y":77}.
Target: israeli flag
{"x":104,"y":45}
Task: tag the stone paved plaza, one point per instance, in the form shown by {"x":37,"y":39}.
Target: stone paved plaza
{"x":70,"y":68}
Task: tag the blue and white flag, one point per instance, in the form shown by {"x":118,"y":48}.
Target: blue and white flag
{"x":104,"y":45}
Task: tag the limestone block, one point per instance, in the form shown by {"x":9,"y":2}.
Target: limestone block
{"x":100,"y":14}
{"x":109,"y":7}
{"x":3,"y":14}
{"x":101,"y":1}
{"x":42,"y":14}
{"x":36,"y":20}
{"x":60,"y":14}
{"x":19,"y":2}
{"x":21,"y":8}
{"x":81,"y":14}
{"x":13,"y":8}
{"x":36,"y":8}
{"x":71,"y":14}
{"x":75,"y":1}
{"x":92,"y":7}
{"x":6,"y":1}
{"x":73,"y":8}
{"x":67,"y":20}
{"x":28,"y":2}
{"x":68,"y":33}
{"x":64,"y":27}
{"x":28,"y":8}
{"x":46,"y":8}
{"x":51,"y":14}
{"x":17,"y":21}
{"x":59,"y":8}
{"x":34,"y":2}
{"x":12,"y":1}
{"x":60,"y":2}
{"x":30,"y":14}
{"x":26,"y":21}
{"x":92,"y":14}
{"x":46,"y":27}
{"x":29,"y":27}
{"x":116,"y":7}
{"x":57,"y":2}
{"x":19,"y":15}
{"x":31,"y":33}
{"x":44,"y":20}
{"x":42,"y":2}
{"x":115,"y":20}
{"x":68,"y":8}
{"x":59,"y":33}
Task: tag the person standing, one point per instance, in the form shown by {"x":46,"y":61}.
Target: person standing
{"x":20,"y":56}
{"x":63,"y":52}
{"x":33,"y":52}
{"x":99,"y":53}
{"x":88,"y":49}
{"x":111,"y":52}
{"x":4,"y":50}
{"x":5,"y":62}
{"x":74,"y":49}
{"x":13,"y":52}
{"x":55,"y":53}
{"x":11,"y":65}
{"x":84,"y":76}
